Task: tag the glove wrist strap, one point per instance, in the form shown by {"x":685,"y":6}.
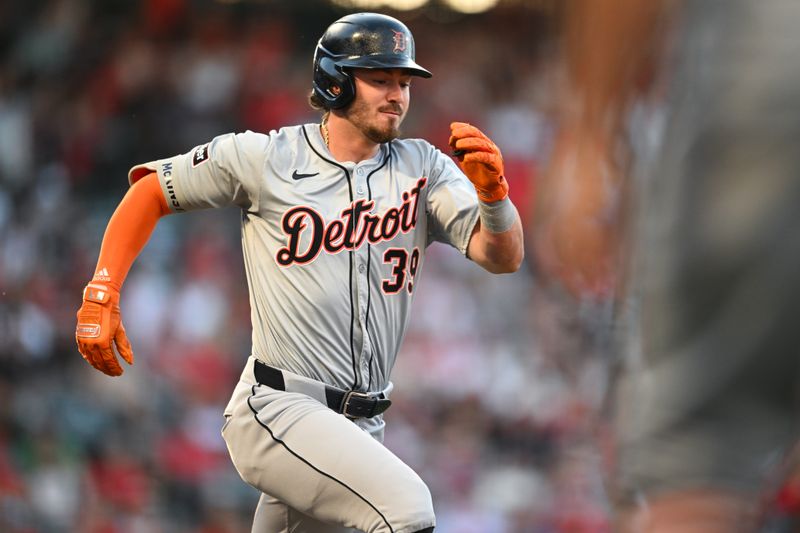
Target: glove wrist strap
{"x":97,"y":292}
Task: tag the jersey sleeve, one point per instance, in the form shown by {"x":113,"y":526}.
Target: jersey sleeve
{"x":452,"y":203}
{"x":226,"y":171}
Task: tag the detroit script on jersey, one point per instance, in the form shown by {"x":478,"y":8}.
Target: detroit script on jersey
{"x":356,"y":225}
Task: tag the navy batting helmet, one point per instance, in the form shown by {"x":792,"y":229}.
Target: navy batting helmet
{"x":360,"y":40}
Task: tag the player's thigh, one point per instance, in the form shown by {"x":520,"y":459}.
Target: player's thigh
{"x":318,"y":462}
{"x":274,"y":516}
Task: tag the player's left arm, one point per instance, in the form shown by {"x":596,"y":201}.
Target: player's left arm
{"x":499,"y":253}
{"x":496,"y":243}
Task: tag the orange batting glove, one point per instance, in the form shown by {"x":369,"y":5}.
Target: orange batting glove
{"x":100,"y":324}
{"x":480,"y":159}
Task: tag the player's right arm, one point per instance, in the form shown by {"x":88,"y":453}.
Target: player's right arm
{"x":99,"y":324}
{"x":223,"y":172}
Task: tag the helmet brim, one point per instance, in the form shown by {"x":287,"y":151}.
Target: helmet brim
{"x":383,"y":61}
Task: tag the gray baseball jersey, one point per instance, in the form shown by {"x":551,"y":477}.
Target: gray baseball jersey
{"x":333,"y":251}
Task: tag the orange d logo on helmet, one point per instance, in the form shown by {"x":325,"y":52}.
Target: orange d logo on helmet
{"x":399,"y":41}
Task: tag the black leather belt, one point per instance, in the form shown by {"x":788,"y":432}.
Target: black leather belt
{"x":350,"y":403}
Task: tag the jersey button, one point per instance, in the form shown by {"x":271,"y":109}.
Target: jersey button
{"x":360,"y":171}
{"x":360,"y":190}
{"x":361,"y":268}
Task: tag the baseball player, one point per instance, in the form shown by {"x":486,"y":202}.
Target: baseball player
{"x":336,"y":219}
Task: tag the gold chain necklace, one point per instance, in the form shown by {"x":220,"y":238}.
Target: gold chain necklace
{"x":324,"y":127}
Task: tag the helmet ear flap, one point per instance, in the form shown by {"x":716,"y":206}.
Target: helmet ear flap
{"x":333,"y":85}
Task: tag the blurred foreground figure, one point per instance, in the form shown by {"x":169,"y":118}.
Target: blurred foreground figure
{"x":708,"y":403}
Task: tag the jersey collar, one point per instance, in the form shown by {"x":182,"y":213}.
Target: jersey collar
{"x":314,"y":137}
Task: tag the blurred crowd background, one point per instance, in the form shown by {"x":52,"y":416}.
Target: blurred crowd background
{"x":499,"y":386}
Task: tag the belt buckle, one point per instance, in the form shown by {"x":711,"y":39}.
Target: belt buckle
{"x":346,"y":402}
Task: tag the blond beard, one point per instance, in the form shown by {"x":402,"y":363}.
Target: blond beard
{"x":356,"y":115}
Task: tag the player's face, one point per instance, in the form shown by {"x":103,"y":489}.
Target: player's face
{"x":381,"y":102}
